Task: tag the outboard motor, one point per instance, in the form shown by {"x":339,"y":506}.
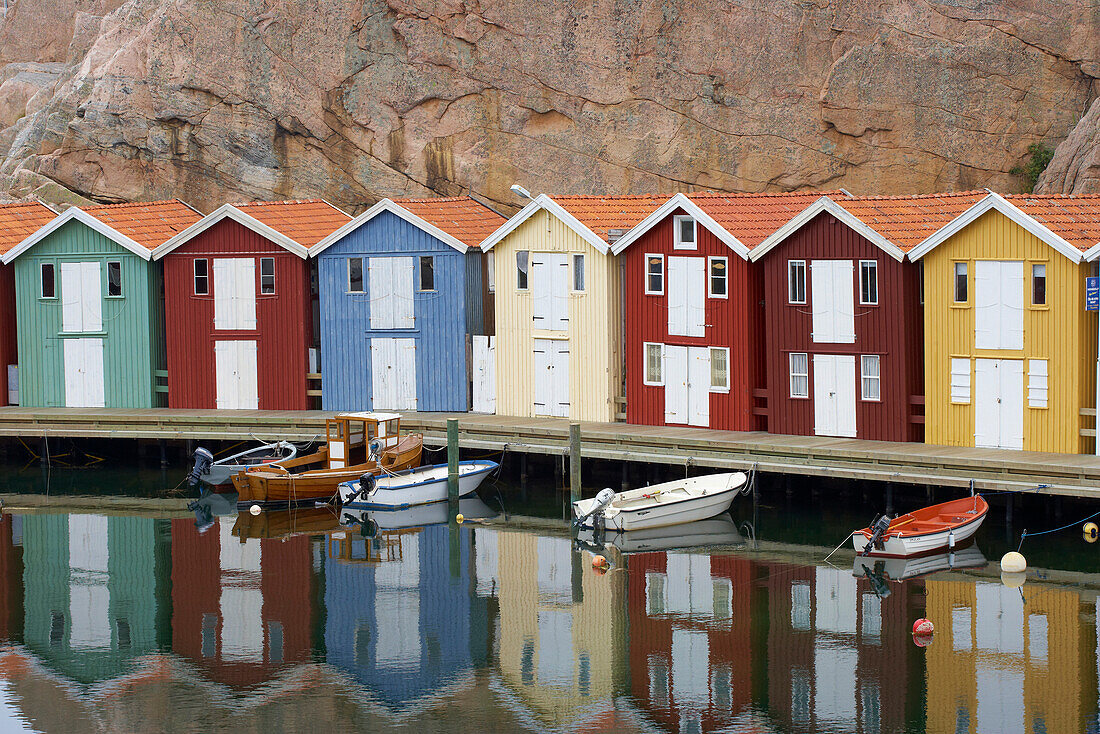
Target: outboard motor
{"x":366,"y":486}
{"x":603,"y":499}
{"x":203,"y":460}
{"x":878,"y":582}
{"x":878,"y":528}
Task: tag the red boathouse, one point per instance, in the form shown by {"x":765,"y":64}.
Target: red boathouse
{"x":693,"y":309}
{"x":845,"y":337}
{"x":238,"y":306}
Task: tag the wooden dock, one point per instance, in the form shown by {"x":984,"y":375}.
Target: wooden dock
{"x":910,"y":463}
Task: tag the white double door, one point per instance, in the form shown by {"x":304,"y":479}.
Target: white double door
{"x":687,"y":296}
{"x":999,"y":403}
{"x":832,"y":301}
{"x":687,"y":385}
{"x":835,"y":395}
{"x":393,"y":373}
{"x":550,"y":291}
{"x":236,"y":381}
{"x":82,"y":312}
{"x":551,"y":377}
{"x":84,"y":373}
{"x":234,"y":293}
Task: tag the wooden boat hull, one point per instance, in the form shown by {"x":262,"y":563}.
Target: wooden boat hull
{"x":961,"y":519}
{"x":671,"y":503}
{"x":280,"y":523}
{"x":416,"y":487}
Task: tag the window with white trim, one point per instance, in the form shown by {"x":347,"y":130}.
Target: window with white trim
{"x":1039,"y":284}
{"x":796,"y":281}
{"x":800,"y":374}
{"x":868,"y":282}
{"x":114,"y":278}
{"x":719,"y":369}
{"x":427,"y":273}
{"x":870,"y":377}
{"x":1037,"y":383}
{"x":355,"y":275}
{"x":522,"y":259}
{"x":960,"y":284}
{"x":718,"y":277}
{"x":684,"y":233}
{"x":655,"y":275}
{"x":202,"y":277}
{"x":654,"y":355}
{"x":491,"y":269}
{"x":578,"y":273}
{"x":49,"y":289}
{"x":960,"y":380}
{"x":267,"y":275}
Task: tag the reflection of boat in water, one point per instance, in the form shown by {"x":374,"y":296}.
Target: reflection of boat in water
{"x":219,"y":472}
{"x":721,"y":530}
{"x":436,"y":513}
{"x":356,"y":444}
{"x":413,"y":486}
{"x":672,"y":503}
{"x":210,"y":506}
{"x":279,"y":523}
{"x":923,"y":531}
{"x":880,"y":571}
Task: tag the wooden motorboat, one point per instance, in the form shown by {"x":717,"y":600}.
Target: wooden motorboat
{"x":282,"y":523}
{"x":927,"y":530}
{"x":218,"y":472}
{"x":671,"y":503}
{"x":412,"y":487}
{"x":356,"y":444}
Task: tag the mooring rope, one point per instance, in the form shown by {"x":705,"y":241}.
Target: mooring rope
{"x":1026,"y":534}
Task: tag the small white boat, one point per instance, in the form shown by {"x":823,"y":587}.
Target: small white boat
{"x":412,"y":487}
{"x":899,"y":569}
{"x":721,"y":530}
{"x":418,"y":516}
{"x":219,"y":472}
{"x":671,"y":503}
{"x":948,"y":525}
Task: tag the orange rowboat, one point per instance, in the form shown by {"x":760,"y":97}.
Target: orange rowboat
{"x":927,"y":530}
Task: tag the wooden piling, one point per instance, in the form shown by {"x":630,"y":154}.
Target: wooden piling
{"x":574,"y":461}
{"x":452,"y":459}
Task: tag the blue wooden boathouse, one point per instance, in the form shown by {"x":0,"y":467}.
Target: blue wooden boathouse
{"x":402,"y":288}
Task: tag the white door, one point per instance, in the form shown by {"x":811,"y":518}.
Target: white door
{"x":687,"y":293}
{"x":393,"y":374}
{"x":999,"y":403}
{"x":999,"y":304}
{"x":834,"y":395}
{"x":81,"y":297}
{"x":550,"y":359}
{"x":84,"y":386}
{"x":550,"y":290}
{"x":484,"y":374}
{"x":235,"y":375}
{"x":832,"y":301}
{"x":391,"y":290}
{"x":687,"y":385}
{"x":234,"y":293}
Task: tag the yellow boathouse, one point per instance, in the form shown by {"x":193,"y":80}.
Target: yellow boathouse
{"x":1010,"y":353}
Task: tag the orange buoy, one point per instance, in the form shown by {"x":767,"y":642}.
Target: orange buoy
{"x":922,"y":640}
{"x":923,"y":627}
{"x":600,"y":564}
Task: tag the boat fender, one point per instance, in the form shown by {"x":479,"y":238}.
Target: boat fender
{"x":203,"y":460}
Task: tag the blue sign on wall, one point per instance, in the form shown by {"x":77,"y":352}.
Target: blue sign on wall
{"x":1092,"y":294}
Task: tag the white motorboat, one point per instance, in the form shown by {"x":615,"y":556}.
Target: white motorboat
{"x":671,"y":503}
{"x":721,"y":530}
{"x":417,"y":516}
{"x":219,"y":472}
{"x":945,"y":526}
{"x":412,"y":487}
{"x":899,"y":569}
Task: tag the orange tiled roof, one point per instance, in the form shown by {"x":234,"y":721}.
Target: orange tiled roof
{"x":148,"y":223}
{"x":906,"y":221}
{"x":306,"y":221}
{"x":1075,"y":218}
{"x":601,"y":213}
{"x":20,"y":220}
{"x":466,"y":220}
{"x":752,"y":218}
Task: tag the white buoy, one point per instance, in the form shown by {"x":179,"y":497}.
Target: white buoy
{"x":254,"y":509}
{"x":1013,"y":562}
{"x":1013,"y":580}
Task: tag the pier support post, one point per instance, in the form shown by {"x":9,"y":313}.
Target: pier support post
{"x":44,"y":452}
{"x":624,"y":481}
{"x":574,"y":461}
{"x":889,"y":498}
{"x":452,"y":459}
{"x":163,"y":446}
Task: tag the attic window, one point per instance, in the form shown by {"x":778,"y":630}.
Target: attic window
{"x":267,"y":275}
{"x":521,"y":269}
{"x":202,"y":277}
{"x":427,"y":273}
{"x":684,"y":233}
{"x":48,"y":290}
{"x":114,"y":278}
{"x":355,"y":275}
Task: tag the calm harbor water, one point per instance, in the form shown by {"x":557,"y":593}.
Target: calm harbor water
{"x":116,"y":619}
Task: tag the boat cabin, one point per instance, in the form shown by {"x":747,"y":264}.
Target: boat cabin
{"x":350,"y":436}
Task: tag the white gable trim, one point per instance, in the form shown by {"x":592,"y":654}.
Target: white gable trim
{"x":680,"y":201}
{"x":995,"y":201}
{"x":825,"y":204}
{"x":231,"y":212}
{"x":387,"y":205}
{"x":542,"y":201}
{"x":87,"y":220}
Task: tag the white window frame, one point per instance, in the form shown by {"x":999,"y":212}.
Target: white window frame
{"x":864,"y":377}
{"x":491,"y":270}
{"x":195,"y":276}
{"x":874,"y":267}
{"x":790,"y":281}
{"x":41,"y":280}
{"x":420,"y":274}
{"x":362,"y":274}
{"x":645,"y":364}
{"x":577,"y":260}
{"x":791,"y":374}
{"x":677,"y":243}
{"x":1046,"y":291}
{"x":260,"y":271}
{"x":720,"y":388}
{"x":661,"y":292}
{"x":725,"y":276}
{"x":526,"y":287}
{"x":956,"y":390}
{"x":955,"y":280}
{"x":1038,"y":383}
{"x":107,"y":273}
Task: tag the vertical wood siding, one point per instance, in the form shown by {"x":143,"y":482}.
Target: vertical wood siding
{"x":1061,"y":333}
{"x":475,"y":292}
{"x":440,"y":319}
{"x":736,"y":322}
{"x":283,"y":331}
{"x":892,"y":330}
{"x":131,"y":324}
{"x":9,"y":347}
{"x":595,"y":325}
